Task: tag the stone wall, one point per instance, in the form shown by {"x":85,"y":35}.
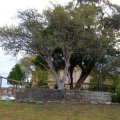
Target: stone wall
{"x":82,"y":96}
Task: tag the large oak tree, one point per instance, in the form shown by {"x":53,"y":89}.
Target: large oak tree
{"x":83,"y":29}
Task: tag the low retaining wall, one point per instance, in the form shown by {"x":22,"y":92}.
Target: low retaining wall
{"x":82,"y":96}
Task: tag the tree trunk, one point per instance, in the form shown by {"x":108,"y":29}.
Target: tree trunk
{"x":101,"y":79}
{"x":50,"y":64}
{"x":100,"y":84}
{"x":60,"y":84}
{"x":83,"y":76}
{"x":62,"y":81}
{"x":66,"y":70}
{"x":71,"y":77}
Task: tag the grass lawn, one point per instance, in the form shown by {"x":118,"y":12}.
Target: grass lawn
{"x":58,"y":111}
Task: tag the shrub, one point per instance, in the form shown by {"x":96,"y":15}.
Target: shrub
{"x":116,"y":95}
{"x":28,"y":85}
{"x":40,"y":78}
{"x":118,"y":92}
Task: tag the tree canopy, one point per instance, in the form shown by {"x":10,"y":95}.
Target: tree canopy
{"x":84,"y":29}
{"x":16,"y":75}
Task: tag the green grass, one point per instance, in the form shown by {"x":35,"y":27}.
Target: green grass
{"x":58,"y":111}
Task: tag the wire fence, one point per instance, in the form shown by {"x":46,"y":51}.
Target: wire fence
{"x":94,"y":87}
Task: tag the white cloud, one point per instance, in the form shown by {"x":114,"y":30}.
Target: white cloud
{"x":115,"y":1}
{"x":9,"y":8}
{"x":6,"y":63}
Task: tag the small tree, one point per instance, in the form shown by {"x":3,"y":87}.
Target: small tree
{"x":39,"y":78}
{"x":16,"y":75}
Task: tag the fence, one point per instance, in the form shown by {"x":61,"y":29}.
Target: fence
{"x":94,"y":87}
{"x":8,"y":91}
{"x":84,"y":86}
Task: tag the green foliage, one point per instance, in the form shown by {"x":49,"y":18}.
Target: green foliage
{"x":114,"y":98}
{"x":40,"y":63}
{"x":28,"y":84}
{"x":76,"y":28}
{"x":40,"y":77}
{"x":16,"y":74}
{"x":117,"y":91}
{"x":26,"y":65}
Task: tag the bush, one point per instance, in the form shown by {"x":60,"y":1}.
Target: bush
{"x":118,"y":92}
{"x":28,"y":85}
{"x":116,"y":95}
{"x":114,"y":98}
{"x":40,"y":78}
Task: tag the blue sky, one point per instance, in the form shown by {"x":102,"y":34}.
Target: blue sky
{"x":8,"y":10}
